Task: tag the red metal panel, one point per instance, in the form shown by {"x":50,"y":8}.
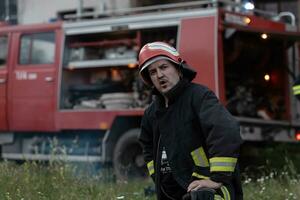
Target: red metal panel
{"x":3,"y":88}
{"x":197,"y":45}
{"x":35,"y":87}
{"x":260,"y":23}
{"x":29,"y":28}
{"x":58,"y":60}
{"x":32,"y":114}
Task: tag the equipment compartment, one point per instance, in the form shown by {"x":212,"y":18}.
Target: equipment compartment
{"x":256,"y":75}
{"x":100,"y":70}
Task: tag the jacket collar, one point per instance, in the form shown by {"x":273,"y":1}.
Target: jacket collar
{"x":172,"y":94}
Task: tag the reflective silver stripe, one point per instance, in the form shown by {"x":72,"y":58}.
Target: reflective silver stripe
{"x":200,"y":158}
{"x":224,"y":164}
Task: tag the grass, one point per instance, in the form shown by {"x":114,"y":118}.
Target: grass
{"x":272,"y":171}
{"x":276,"y":185}
{"x":281,"y":187}
{"x":56,"y":181}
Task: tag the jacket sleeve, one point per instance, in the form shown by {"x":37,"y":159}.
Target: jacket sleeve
{"x":146,"y":140}
{"x":222,"y":135}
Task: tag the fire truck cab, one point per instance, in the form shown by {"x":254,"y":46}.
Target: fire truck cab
{"x":74,"y":85}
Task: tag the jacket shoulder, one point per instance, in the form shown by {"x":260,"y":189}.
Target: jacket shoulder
{"x":198,"y":90}
{"x":199,"y":87}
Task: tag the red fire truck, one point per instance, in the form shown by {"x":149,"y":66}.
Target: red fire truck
{"x":71,"y":89}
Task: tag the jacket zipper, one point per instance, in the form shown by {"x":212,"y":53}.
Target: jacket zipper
{"x":158,"y":170}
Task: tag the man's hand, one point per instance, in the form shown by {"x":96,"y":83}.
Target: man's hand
{"x":197,"y":184}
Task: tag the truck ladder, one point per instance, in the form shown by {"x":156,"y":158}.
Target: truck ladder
{"x":227,"y":4}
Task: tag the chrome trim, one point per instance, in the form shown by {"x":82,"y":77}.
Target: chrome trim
{"x":170,"y":18}
{"x":73,"y":158}
{"x":104,"y":141}
{"x":100,"y":63}
{"x":262,"y":121}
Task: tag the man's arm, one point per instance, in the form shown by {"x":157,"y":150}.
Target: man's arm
{"x":146,"y":140}
{"x":222,"y":138}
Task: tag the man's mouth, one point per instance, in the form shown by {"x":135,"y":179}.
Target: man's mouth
{"x":163,"y":83}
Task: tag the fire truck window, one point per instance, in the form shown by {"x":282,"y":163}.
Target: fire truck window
{"x":3,"y":51}
{"x":38,"y":48}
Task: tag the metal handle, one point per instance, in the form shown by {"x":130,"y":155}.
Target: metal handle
{"x":48,"y":79}
{"x":2,"y":80}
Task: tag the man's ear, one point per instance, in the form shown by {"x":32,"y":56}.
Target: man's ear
{"x":179,"y":69}
{"x":180,"y":73}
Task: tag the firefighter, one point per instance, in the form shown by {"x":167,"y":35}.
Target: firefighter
{"x":190,"y":141}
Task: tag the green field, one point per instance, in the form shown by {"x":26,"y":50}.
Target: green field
{"x":57,"y":181}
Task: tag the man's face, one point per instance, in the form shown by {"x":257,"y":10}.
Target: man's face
{"x":164,"y":75}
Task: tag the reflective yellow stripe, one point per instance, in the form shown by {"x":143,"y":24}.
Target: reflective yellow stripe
{"x":225,"y":193}
{"x":150,"y":166}
{"x":218,"y":197}
{"x":200,"y":158}
{"x":296,"y":87}
{"x":200,"y":176}
{"x":296,"y":92}
{"x":222,"y":164}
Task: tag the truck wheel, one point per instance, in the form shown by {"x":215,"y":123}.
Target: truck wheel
{"x":128,"y":158}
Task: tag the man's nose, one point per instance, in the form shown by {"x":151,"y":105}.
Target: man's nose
{"x":159,"y":73}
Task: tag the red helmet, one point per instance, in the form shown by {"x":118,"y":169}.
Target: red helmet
{"x":155,"y":51}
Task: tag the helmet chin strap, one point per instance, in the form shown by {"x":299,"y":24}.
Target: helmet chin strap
{"x":181,"y":64}
{"x":180,"y":69}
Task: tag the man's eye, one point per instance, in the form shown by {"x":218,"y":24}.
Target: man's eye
{"x":164,"y":67}
{"x":152,"y":73}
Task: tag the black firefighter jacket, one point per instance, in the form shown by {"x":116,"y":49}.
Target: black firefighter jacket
{"x":200,"y":136}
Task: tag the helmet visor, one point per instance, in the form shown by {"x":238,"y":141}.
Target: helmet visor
{"x":155,"y":59}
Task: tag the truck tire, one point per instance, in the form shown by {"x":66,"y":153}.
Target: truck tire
{"x":128,"y":158}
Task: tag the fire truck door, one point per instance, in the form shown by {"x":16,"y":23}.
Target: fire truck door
{"x":197,"y":44}
{"x":3,"y":82}
{"x":33,"y":97}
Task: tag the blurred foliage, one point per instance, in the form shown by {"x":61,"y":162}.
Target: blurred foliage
{"x":260,"y":158}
